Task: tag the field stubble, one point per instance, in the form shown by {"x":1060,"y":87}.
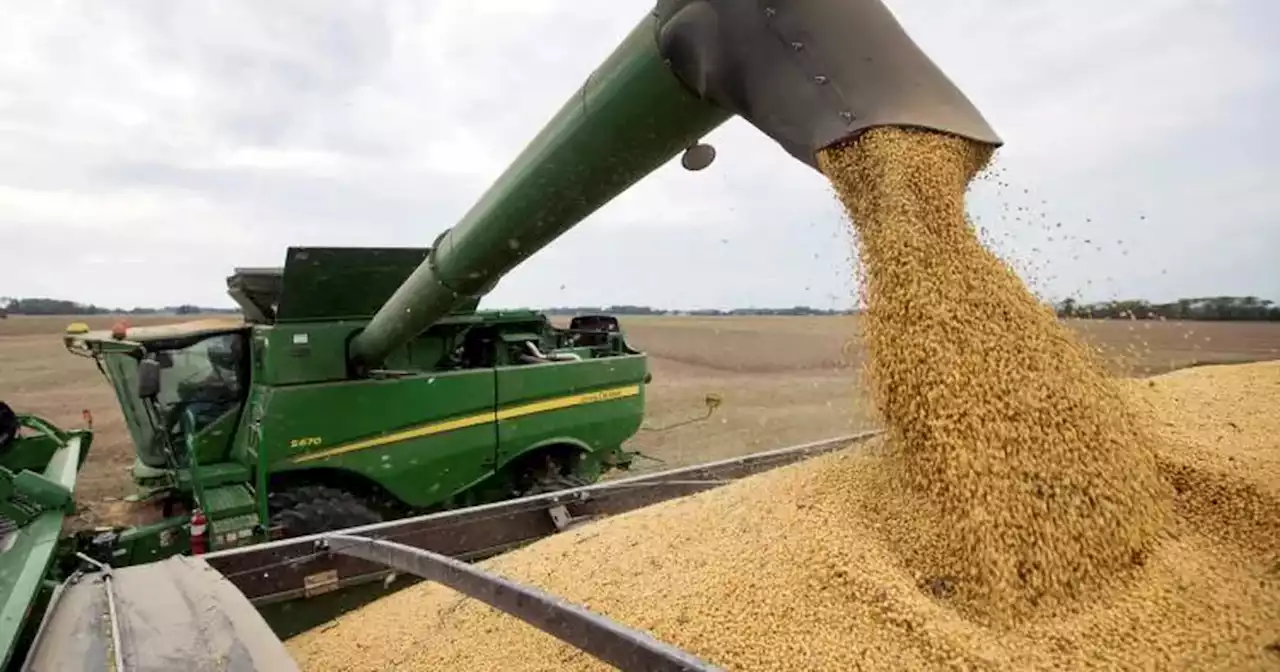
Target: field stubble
{"x":783,"y":380}
{"x":786,"y":380}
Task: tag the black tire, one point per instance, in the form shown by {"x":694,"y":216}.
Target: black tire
{"x":287,"y":498}
{"x":555,"y":484}
{"x":311,"y":509}
{"x":547,"y":474}
{"x":8,"y":426}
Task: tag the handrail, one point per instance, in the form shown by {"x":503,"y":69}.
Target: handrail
{"x":607,"y":640}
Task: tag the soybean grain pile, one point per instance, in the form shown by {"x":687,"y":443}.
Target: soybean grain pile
{"x":1025,"y":511}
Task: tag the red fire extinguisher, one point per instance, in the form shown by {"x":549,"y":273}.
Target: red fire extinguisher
{"x":198,"y":528}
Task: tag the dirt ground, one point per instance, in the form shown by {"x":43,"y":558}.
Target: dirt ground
{"x":783,"y":380}
{"x":39,"y":376}
{"x":787,"y":380}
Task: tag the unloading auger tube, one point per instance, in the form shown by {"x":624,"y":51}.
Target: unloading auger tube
{"x":807,"y":73}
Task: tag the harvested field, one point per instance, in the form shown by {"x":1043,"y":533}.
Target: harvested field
{"x":39,"y":376}
{"x":789,"y":344}
{"x":784,"y":380}
{"x":792,"y":379}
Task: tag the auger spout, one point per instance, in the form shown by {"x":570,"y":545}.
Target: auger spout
{"x":807,"y":73}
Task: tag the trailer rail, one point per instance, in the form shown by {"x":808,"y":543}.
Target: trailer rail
{"x":302,"y":567}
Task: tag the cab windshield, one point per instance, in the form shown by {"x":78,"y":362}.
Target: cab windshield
{"x":201,"y":382}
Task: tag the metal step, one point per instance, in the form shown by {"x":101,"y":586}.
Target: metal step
{"x":232,"y":532}
{"x":216,"y":474}
{"x":228,"y":501}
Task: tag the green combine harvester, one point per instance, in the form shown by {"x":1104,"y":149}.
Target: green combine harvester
{"x":267,"y":428}
{"x":366,"y":420}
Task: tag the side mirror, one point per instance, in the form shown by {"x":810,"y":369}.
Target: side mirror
{"x":148,"y":378}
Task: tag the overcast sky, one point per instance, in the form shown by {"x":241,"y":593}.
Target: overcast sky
{"x":148,"y":147}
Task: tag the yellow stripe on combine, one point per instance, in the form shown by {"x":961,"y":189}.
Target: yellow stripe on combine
{"x":405,"y":435}
{"x":565,"y":402}
{"x":478,"y":419}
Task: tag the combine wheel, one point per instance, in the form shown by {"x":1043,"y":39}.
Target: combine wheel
{"x":554,"y":483}
{"x":550,"y":475}
{"x":311,"y":509}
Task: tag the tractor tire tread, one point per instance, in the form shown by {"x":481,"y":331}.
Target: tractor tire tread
{"x":313,"y":509}
{"x":555,"y":484}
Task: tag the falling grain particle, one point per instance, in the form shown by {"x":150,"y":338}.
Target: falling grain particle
{"x":1020,"y":515}
{"x":1040,"y":484}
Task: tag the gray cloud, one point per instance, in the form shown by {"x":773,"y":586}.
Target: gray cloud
{"x":152,"y":146}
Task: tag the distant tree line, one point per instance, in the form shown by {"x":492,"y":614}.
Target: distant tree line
{"x":43,"y":306}
{"x":646,"y":310}
{"x":1250,"y":308}
{"x":1240,"y":308}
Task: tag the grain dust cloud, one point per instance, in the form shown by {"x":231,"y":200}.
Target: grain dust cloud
{"x":1023,"y":510}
